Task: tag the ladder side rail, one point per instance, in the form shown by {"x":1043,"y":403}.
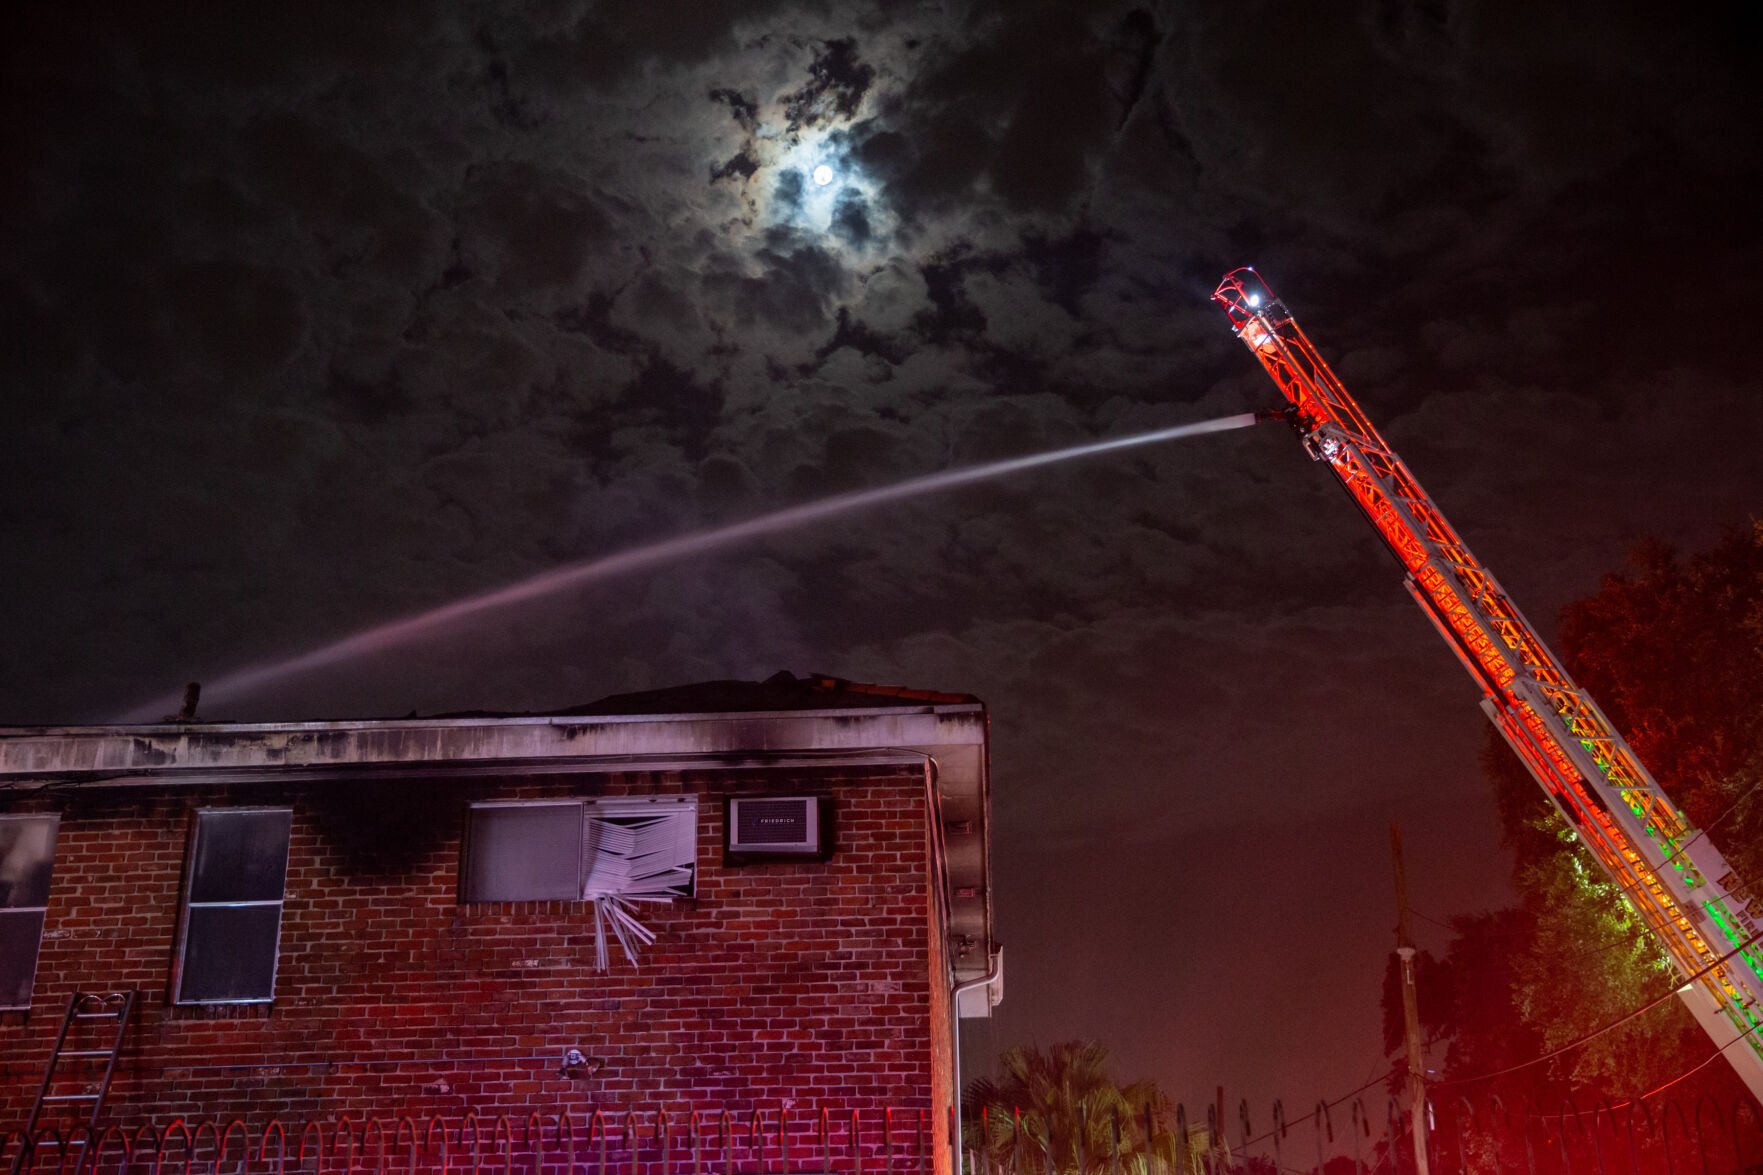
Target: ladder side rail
{"x":67,"y":1020}
{"x":118,"y":1006}
{"x":1463,"y":607}
{"x":1411,"y":524}
{"x":1562,"y":722}
{"x":123,"y":1015}
{"x":1324,"y":400}
{"x":1562,"y":787}
{"x":1641,"y":839}
{"x":1466,"y":631}
{"x":1308,"y":380}
{"x":1524,"y":730}
{"x":1339,"y":418}
{"x":1575,"y":809}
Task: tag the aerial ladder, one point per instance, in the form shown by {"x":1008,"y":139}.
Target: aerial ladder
{"x":1701,"y":912}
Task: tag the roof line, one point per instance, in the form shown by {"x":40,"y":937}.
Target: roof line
{"x":222,"y":728}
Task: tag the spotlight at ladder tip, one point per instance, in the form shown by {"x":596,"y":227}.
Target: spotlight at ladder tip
{"x":823,"y":175}
{"x":1254,"y":300}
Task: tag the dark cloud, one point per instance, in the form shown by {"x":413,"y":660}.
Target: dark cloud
{"x":1131,"y":61}
{"x":350,"y":202}
{"x":1067,"y":268}
{"x":838,"y":81}
{"x":613,"y":41}
{"x":662,"y":399}
{"x":859,"y":336}
{"x":788,"y":190}
{"x":364,"y":401}
{"x":952,"y":312}
{"x":528,"y":230}
{"x":739,"y":166}
{"x":850,"y":220}
{"x":744,"y":109}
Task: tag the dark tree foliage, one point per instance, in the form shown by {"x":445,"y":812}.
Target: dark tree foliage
{"x":1673,"y":651}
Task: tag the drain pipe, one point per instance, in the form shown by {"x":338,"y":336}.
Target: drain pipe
{"x":995,"y":965}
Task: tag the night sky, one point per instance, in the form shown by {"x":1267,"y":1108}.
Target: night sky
{"x":321,"y":315}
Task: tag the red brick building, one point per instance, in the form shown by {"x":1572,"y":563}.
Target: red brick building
{"x":736,"y":894}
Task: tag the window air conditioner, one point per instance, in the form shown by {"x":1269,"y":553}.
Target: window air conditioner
{"x":778,"y":826}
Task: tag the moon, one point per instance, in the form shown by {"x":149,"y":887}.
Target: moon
{"x":823,"y":175}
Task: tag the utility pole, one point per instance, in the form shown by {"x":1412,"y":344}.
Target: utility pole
{"x":1410,"y":1008}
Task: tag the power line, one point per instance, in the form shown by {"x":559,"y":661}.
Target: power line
{"x":1548,"y":1056}
{"x":1709,"y":827}
{"x":1617,"y":1023}
{"x":1263,"y":1137}
{"x":1658,"y":1089}
{"x":1552,"y":1054}
{"x":1705,"y":1062}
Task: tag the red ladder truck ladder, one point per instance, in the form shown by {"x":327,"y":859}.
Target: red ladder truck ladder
{"x":1672,"y":875}
{"x":86,"y":1040}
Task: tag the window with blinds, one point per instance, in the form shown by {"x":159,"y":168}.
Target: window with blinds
{"x":614,"y":853}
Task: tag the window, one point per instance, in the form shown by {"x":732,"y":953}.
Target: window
{"x":27,"y":856}
{"x":641,"y":849}
{"x":574,"y":850}
{"x":524,"y":853}
{"x":233,"y":907}
{"x":609,"y":852}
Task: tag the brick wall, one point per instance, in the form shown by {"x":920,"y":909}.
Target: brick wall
{"x":818,"y":982}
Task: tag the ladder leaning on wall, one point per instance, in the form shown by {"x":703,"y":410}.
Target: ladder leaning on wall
{"x":91,"y":1035}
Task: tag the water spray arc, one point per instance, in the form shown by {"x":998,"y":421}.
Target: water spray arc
{"x":401,"y":631}
{"x":1671,"y":875}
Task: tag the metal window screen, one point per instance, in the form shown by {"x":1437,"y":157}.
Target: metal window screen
{"x":524,"y":853}
{"x":233,"y":915}
{"x":27,"y":858}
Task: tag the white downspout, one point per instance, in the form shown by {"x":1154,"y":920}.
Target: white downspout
{"x":995,"y":964}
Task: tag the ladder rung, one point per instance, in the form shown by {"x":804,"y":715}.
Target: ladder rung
{"x":83,"y":1053}
{"x":71,"y":1097}
{"x":109,"y":1015}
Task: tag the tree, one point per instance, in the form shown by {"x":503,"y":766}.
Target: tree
{"x":1062,"y":1111}
{"x":1673,"y":651}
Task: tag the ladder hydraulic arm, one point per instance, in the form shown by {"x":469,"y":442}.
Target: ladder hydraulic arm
{"x":1702,"y":914}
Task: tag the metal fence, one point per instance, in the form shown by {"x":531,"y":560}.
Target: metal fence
{"x":1658,"y":1137}
{"x":622,"y":1142}
{"x":1632,"y":1137}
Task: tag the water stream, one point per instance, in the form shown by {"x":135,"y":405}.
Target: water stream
{"x":409,"y":628}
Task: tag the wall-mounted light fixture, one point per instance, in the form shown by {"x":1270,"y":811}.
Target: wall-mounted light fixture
{"x":577,"y":1064}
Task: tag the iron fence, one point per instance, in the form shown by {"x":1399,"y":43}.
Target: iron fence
{"x":1657,"y":1137}
{"x":624,"y":1142}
